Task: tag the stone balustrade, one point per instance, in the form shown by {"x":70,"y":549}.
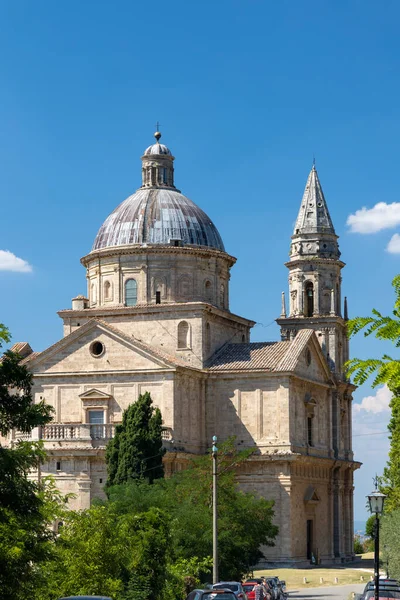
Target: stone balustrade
{"x":78,"y":432}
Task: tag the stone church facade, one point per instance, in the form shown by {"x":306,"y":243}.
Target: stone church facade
{"x":156,"y":318}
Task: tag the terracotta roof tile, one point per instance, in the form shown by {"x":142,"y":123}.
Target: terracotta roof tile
{"x":264,"y":356}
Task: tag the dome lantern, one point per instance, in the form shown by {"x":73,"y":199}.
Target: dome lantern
{"x":158,"y":166}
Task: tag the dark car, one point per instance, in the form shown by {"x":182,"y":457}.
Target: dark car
{"x":213,"y":594}
{"x":385,"y":585}
{"x":86,"y":598}
{"x":235,"y":586}
{"x":384,"y":594}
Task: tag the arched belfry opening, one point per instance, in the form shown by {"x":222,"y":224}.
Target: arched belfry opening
{"x":309,"y":299}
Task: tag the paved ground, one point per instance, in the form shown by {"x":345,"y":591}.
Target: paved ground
{"x":338,"y":592}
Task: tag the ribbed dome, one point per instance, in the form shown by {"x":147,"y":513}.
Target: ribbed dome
{"x":155,"y":216}
{"x":157,"y":149}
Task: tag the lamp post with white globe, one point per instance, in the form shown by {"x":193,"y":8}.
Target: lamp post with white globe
{"x":376,"y":501}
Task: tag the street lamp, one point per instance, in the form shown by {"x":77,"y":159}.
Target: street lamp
{"x":376,"y":501}
{"x":215,"y":511}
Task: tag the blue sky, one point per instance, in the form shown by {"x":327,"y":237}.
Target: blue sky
{"x":247,"y":92}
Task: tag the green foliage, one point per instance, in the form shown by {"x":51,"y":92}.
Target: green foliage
{"x":358,"y":545}
{"x":385,"y":370}
{"x":26,"y":507}
{"x":370,"y":527}
{"x":390,"y":542}
{"x":245,"y":521}
{"x":184,"y":575}
{"x":100,"y":552}
{"x":136,"y":451}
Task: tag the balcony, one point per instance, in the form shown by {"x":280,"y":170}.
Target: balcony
{"x":84,"y":433}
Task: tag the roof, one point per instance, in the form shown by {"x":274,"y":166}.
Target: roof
{"x":157,"y":216}
{"x":157,"y":149}
{"x":21,"y":348}
{"x":262,"y":356}
{"x":313,"y":215}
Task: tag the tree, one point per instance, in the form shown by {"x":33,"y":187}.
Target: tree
{"x":245,"y":521}
{"x":26,"y":508}
{"x":386,"y":370}
{"x":102,"y":552}
{"x":370,"y":526}
{"x":390,"y":542}
{"x":136,"y":450}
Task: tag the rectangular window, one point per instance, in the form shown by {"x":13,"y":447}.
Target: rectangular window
{"x":309,"y":431}
{"x":58,"y":465}
{"x":158,"y":297}
{"x":96,"y":417}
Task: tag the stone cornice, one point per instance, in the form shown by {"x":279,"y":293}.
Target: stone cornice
{"x":316,"y":260}
{"x":146,"y":249}
{"x":171,"y":307}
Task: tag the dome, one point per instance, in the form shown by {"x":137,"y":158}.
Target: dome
{"x":156,"y":216}
{"x":157,"y":149}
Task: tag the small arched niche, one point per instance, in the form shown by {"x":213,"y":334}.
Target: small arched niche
{"x":183,"y":335}
{"x":93,"y":293}
{"x":107,"y":290}
{"x":208,"y":291}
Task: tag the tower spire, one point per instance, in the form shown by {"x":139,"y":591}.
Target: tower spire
{"x":313,"y":215}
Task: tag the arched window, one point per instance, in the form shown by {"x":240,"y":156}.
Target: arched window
{"x":130,"y":292}
{"x":94,"y":293}
{"x":208,"y":338}
{"x":208,"y":291}
{"x":309,"y":299}
{"x":183,"y":335}
{"x":107,"y":290}
{"x":243,"y":339}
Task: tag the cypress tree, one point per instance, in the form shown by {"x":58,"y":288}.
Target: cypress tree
{"x":136,"y":451}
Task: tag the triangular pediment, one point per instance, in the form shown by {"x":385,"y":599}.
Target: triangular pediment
{"x":93,"y":393}
{"x":311,"y":496}
{"x":121,"y":352}
{"x":305,"y":358}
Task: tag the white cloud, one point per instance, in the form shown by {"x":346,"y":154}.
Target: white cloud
{"x":375,"y":404}
{"x":379,"y":217}
{"x":394,"y":244}
{"x":10,"y":262}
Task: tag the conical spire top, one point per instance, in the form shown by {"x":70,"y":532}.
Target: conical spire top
{"x":313,"y":215}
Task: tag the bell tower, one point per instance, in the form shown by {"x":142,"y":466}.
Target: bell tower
{"x":315,"y":279}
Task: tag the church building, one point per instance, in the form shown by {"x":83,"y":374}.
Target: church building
{"x":156,"y":318}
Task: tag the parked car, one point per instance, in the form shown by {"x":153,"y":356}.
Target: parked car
{"x":213,"y":594}
{"x":86,"y":598}
{"x":249,"y":584}
{"x":248,"y":587}
{"x":384,"y":594}
{"x":385,"y":585}
{"x":235,"y":586}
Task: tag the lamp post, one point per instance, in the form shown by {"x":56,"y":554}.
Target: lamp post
{"x":215,"y":511}
{"x":376,"y":501}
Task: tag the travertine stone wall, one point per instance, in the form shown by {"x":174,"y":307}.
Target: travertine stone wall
{"x":179,"y":274}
